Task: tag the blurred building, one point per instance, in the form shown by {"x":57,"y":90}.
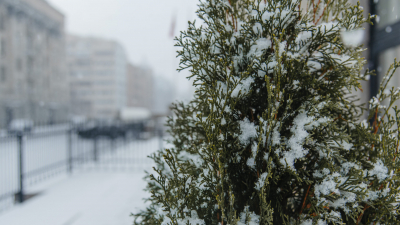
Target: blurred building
{"x":33,"y":79}
{"x":139,"y":87}
{"x":384,"y":41}
{"x":97,"y":70}
{"x":364,"y":96}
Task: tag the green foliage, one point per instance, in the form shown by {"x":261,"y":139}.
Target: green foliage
{"x":273,"y":135}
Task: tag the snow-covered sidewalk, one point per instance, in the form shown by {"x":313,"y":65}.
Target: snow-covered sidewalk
{"x":91,"y":198}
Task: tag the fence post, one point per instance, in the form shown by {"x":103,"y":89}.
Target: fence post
{"x":95,"y":153}
{"x":69,"y":149}
{"x":20,"y":193}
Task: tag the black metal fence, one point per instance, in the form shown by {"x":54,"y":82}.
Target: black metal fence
{"x":27,"y":158}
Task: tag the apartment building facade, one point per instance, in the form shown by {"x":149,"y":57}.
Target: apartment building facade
{"x":140,"y":87}
{"x":97,"y":71}
{"x":33,"y":79}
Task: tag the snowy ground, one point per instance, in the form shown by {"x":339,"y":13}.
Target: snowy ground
{"x":105,"y":191}
{"x":90,"y":198}
{"x":46,"y":156}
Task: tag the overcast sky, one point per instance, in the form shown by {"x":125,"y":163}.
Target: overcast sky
{"x":141,"y":26}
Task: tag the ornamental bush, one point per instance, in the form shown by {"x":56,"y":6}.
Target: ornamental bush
{"x":274,"y":134}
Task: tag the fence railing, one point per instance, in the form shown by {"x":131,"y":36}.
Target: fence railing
{"x":29,"y":158}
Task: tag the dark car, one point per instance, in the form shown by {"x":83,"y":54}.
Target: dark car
{"x":107,"y":130}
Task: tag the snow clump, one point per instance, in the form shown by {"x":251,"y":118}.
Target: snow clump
{"x":352,"y":38}
{"x":242,"y":87}
{"x":380,"y":170}
{"x":301,"y":124}
{"x":248,"y":130}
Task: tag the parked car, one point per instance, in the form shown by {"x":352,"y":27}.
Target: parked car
{"x":102,"y":129}
{"x":20,"y":126}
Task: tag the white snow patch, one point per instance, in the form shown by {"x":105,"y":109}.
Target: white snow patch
{"x":282,"y":47}
{"x":193,"y":219}
{"x":301,"y":124}
{"x":242,"y":87}
{"x":327,"y":186}
{"x":223,"y":121}
{"x":347,"y":146}
{"x":371,"y":195}
{"x":318,"y":174}
{"x":380,"y":170}
{"x":257,"y":28}
{"x":197,"y":160}
{"x":343,"y":59}
{"x":326,"y":171}
{"x":303,"y":36}
{"x":266,"y":156}
{"x":251,"y":163}
{"x":314,"y":66}
{"x":260,"y":45}
{"x":254,"y":148}
{"x":347,"y":166}
{"x":254,"y":219}
{"x":272,"y":65}
{"x":276,"y":136}
{"x":307,"y":222}
{"x":329,"y":27}
{"x":261,"y":181}
{"x":347,"y":197}
{"x":248,"y":130}
{"x":353,"y":38}
{"x":267,"y":15}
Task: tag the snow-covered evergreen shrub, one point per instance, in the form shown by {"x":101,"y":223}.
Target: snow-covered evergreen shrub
{"x":273,"y":135}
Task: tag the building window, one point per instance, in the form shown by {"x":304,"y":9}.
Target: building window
{"x":19,"y":64}
{"x":105,"y":112}
{"x":83,"y":62}
{"x":104,"y":53}
{"x":83,"y":83}
{"x":2,"y":22}
{"x":104,"y":72}
{"x":3,"y":75}
{"x":3,"y":47}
